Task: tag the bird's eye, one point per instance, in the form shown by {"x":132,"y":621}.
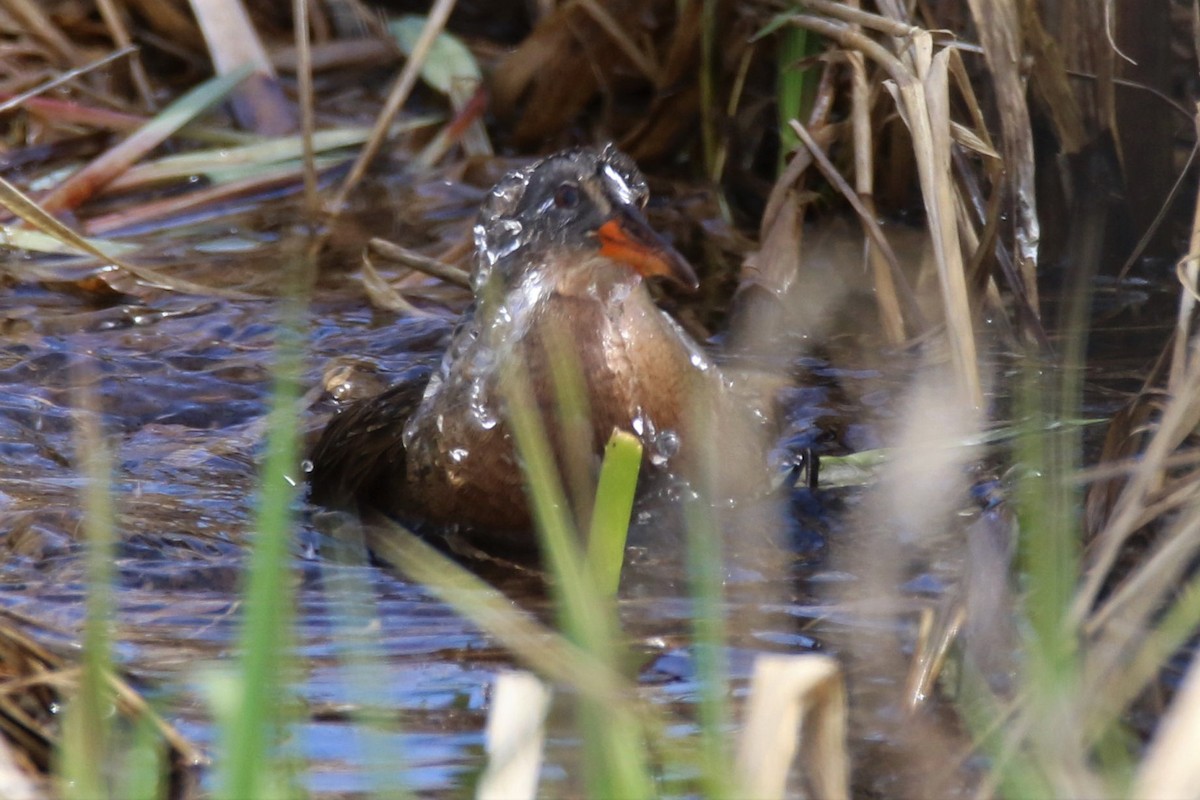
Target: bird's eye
{"x":566,"y":196}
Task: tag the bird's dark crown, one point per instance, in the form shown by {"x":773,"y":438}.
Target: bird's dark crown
{"x":560,"y":201}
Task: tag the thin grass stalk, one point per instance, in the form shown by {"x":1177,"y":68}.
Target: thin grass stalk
{"x":1119,"y":688}
{"x":362,"y":656}
{"x":304,"y":80}
{"x":1050,"y":533}
{"x":705,"y":575}
{"x":435,"y":22}
{"x":706,"y":568}
{"x":551,"y":512}
{"x":998,"y":731}
{"x":708,"y":94}
{"x":266,"y":629}
{"x":88,"y":745}
{"x":19,"y":100}
{"x":1170,"y":767}
{"x":615,"y":756}
{"x":891,"y":317}
{"x":120,"y":34}
{"x":1189,"y":269}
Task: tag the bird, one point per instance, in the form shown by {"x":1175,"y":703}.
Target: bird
{"x":563,"y":257}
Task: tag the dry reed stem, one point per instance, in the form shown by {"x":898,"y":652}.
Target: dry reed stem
{"x":62,"y":111}
{"x":797,"y":703}
{"x":93,"y":176}
{"x":115,"y":23}
{"x":921,"y":90}
{"x":304,"y":79}
{"x":932,"y":651}
{"x":234,"y":44}
{"x":883,"y":266}
{"x":926,"y":107}
{"x":33,"y":667}
{"x":25,"y":208}
{"x":1190,"y":273}
{"x":35,"y":20}
{"x":885,"y":293}
{"x":358,"y":52}
{"x":999,"y":26}
{"x":381,"y":294}
{"x":421,"y":263}
{"x":1170,"y":768}
{"x":1179,"y":419}
{"x":66,"y":77}
{"x":14,"y":783}
{"x":514,"y":737}
{"x":856,"y":16}
{"x":644,"y":61}
{"x":210,"y":198}
{"x":436,"y":21}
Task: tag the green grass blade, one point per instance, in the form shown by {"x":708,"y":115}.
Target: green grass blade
{"x":361,"y":653}
{"x":257,"y":154}
{"x":612,"y":509}
{"x":1049,"y":545}
{"x":88,"y":737}
{"x":38,"y":242}
{"x":795,"y":86}
{"x":251,"y":764}
{"x":615,"y":762}
{"x":84,"y":183}
{"x":144,"y":769}
{"x":705,"y":573}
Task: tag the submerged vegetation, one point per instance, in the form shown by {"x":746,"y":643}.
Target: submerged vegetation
{"x":971,"y":216}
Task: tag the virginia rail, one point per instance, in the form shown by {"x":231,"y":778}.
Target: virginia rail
{"x":562,"y":252}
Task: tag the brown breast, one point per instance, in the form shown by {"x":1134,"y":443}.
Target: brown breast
{"x":639,"y":372}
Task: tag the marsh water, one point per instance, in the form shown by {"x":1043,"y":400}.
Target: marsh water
{"x":183,"y":384}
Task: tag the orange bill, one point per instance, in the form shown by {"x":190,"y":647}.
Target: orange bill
{"x":629,"y":239}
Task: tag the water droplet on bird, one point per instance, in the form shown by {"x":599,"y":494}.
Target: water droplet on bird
{"x":664,"y":447}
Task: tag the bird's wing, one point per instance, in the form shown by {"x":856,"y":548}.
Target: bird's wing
{"x":360,"y":457}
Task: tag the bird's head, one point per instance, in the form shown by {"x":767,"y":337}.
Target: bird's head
{"x":570,"y":208}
